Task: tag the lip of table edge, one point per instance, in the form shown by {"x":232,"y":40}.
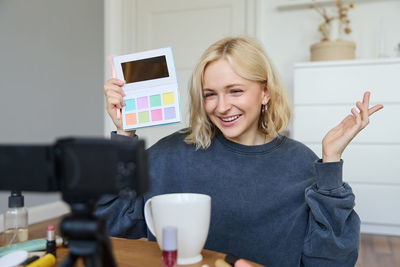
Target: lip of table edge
{"x":122,"y":251}
{"x":38,"y":230}
{"x":209,"y":256}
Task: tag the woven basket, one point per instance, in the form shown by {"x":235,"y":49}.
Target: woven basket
{"x":333,"y":50}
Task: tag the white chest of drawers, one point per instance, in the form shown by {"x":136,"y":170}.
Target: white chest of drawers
{"x":324,"y":93}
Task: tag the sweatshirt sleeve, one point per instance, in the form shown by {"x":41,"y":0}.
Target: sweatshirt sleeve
{"x":123,"y":214}
{"x":115,"y":136}
{"x":333,"y":233}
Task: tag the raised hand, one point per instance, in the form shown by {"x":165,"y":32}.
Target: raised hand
{"x":337,"y":139}
{"x":114,"y":102}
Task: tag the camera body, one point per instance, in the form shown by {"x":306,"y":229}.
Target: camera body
{"x":82,"y":169}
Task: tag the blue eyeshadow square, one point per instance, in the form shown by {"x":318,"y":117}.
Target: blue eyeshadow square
{"x":130,"y":104}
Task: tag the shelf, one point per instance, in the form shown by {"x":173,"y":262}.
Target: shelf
{"x":300,"y":4}
{"x":376,"y":61}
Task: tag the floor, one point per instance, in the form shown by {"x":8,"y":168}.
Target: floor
{"x":379,"y":250}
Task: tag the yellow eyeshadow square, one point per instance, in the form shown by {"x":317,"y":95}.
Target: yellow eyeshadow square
{"x":168,"y":99}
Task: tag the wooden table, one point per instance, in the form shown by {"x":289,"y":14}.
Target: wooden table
{"x":127,"y":252}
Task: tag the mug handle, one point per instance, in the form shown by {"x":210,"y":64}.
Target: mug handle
{"x":148,"y":216}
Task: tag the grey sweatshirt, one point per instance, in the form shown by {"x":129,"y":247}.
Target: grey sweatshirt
{"x":276,"y":204}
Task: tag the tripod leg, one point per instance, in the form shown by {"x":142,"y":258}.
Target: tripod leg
{"x":70,"y":261}
{"x":88,"y":239}
{"x":93,"y":261}
{"x":108,"y":258}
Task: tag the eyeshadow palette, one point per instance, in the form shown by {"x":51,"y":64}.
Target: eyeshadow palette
{"x":151,"y":88}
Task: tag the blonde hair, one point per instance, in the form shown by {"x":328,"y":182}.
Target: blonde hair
{"x":249,"y":60}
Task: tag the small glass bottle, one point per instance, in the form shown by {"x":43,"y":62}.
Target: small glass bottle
{"x":169,"y":246}
{"x":15,"y":219}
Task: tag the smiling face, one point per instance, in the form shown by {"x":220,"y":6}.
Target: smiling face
{"x":233,"y":104}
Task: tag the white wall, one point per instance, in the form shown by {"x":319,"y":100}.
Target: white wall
{"x":51,"y":74}
{"x":287,"y":34}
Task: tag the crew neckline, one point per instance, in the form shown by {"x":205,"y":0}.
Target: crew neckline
{"x":256,"y":149}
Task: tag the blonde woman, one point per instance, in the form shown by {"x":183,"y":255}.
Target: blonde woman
{"x":273,"y":200}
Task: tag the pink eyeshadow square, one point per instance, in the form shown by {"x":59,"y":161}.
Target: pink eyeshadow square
{"x":142,"y":102}
{"x":156,"y":115}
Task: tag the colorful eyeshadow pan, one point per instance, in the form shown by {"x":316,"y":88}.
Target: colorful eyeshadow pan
{"x":130,"y":104}
{"x":131,"y":119}
{"x":155,"y":101}
{"x":169,"y":113}
{"x":142,"y":102}
{"x":144,"y":117}
{"x":168,"y":99}
{"x":147,"y":113}
{"x":156,"y":115}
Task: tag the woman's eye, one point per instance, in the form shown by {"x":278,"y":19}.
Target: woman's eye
{"x":208,"y":95}
{"x":236,"y":91}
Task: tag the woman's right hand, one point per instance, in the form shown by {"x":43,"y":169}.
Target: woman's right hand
{"x":114,"y":102}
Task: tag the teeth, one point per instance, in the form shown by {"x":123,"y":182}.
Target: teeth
{"x":231,"y":118}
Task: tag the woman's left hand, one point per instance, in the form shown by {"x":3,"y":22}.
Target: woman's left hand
{"x":337,"y":139}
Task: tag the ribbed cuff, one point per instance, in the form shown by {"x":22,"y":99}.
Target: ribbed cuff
{"x":120,"y":137}
{"x":329,"y":174}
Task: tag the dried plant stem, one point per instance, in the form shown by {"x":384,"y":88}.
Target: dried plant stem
{"x":342,"y":15}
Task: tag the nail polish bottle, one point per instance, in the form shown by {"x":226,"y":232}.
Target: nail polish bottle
{"x":169,"y":246}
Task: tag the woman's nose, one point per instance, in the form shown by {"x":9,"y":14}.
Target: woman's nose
{"x":223,"y":105}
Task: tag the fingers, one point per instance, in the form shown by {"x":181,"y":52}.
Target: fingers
{"x":357,"y":116}
{"x":118,"y":113}
{"x":363,"y":112}
{"x":114,"y":84}
{"x":365,"y":103}
{"x":114,"y":97}
{"x":116,"y":81}
{"x":112,"y":90}
{"x":366,"y":98}
{"x":374,"y":109}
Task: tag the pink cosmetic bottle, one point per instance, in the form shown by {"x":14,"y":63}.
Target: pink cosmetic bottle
{"x":170,"y":248}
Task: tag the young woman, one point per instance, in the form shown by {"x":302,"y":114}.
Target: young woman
{"x":273,"y":200}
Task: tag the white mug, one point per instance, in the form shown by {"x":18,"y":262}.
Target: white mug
{"x":189,"y":213}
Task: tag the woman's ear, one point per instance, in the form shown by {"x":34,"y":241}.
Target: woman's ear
{"x":265,"y":95}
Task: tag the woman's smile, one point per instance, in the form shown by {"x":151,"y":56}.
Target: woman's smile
{"x":230,"y":120}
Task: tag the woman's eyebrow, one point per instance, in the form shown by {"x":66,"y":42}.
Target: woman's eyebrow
{"x":233,"y":85}
{"x":226,"y":87}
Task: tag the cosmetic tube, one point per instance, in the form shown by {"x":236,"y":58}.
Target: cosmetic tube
{"x":29,"y":246}
{"x":51,"y":240}
{"x":169,"y":246}
{"x":30,"y":260}
{"x":47,"y":260}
